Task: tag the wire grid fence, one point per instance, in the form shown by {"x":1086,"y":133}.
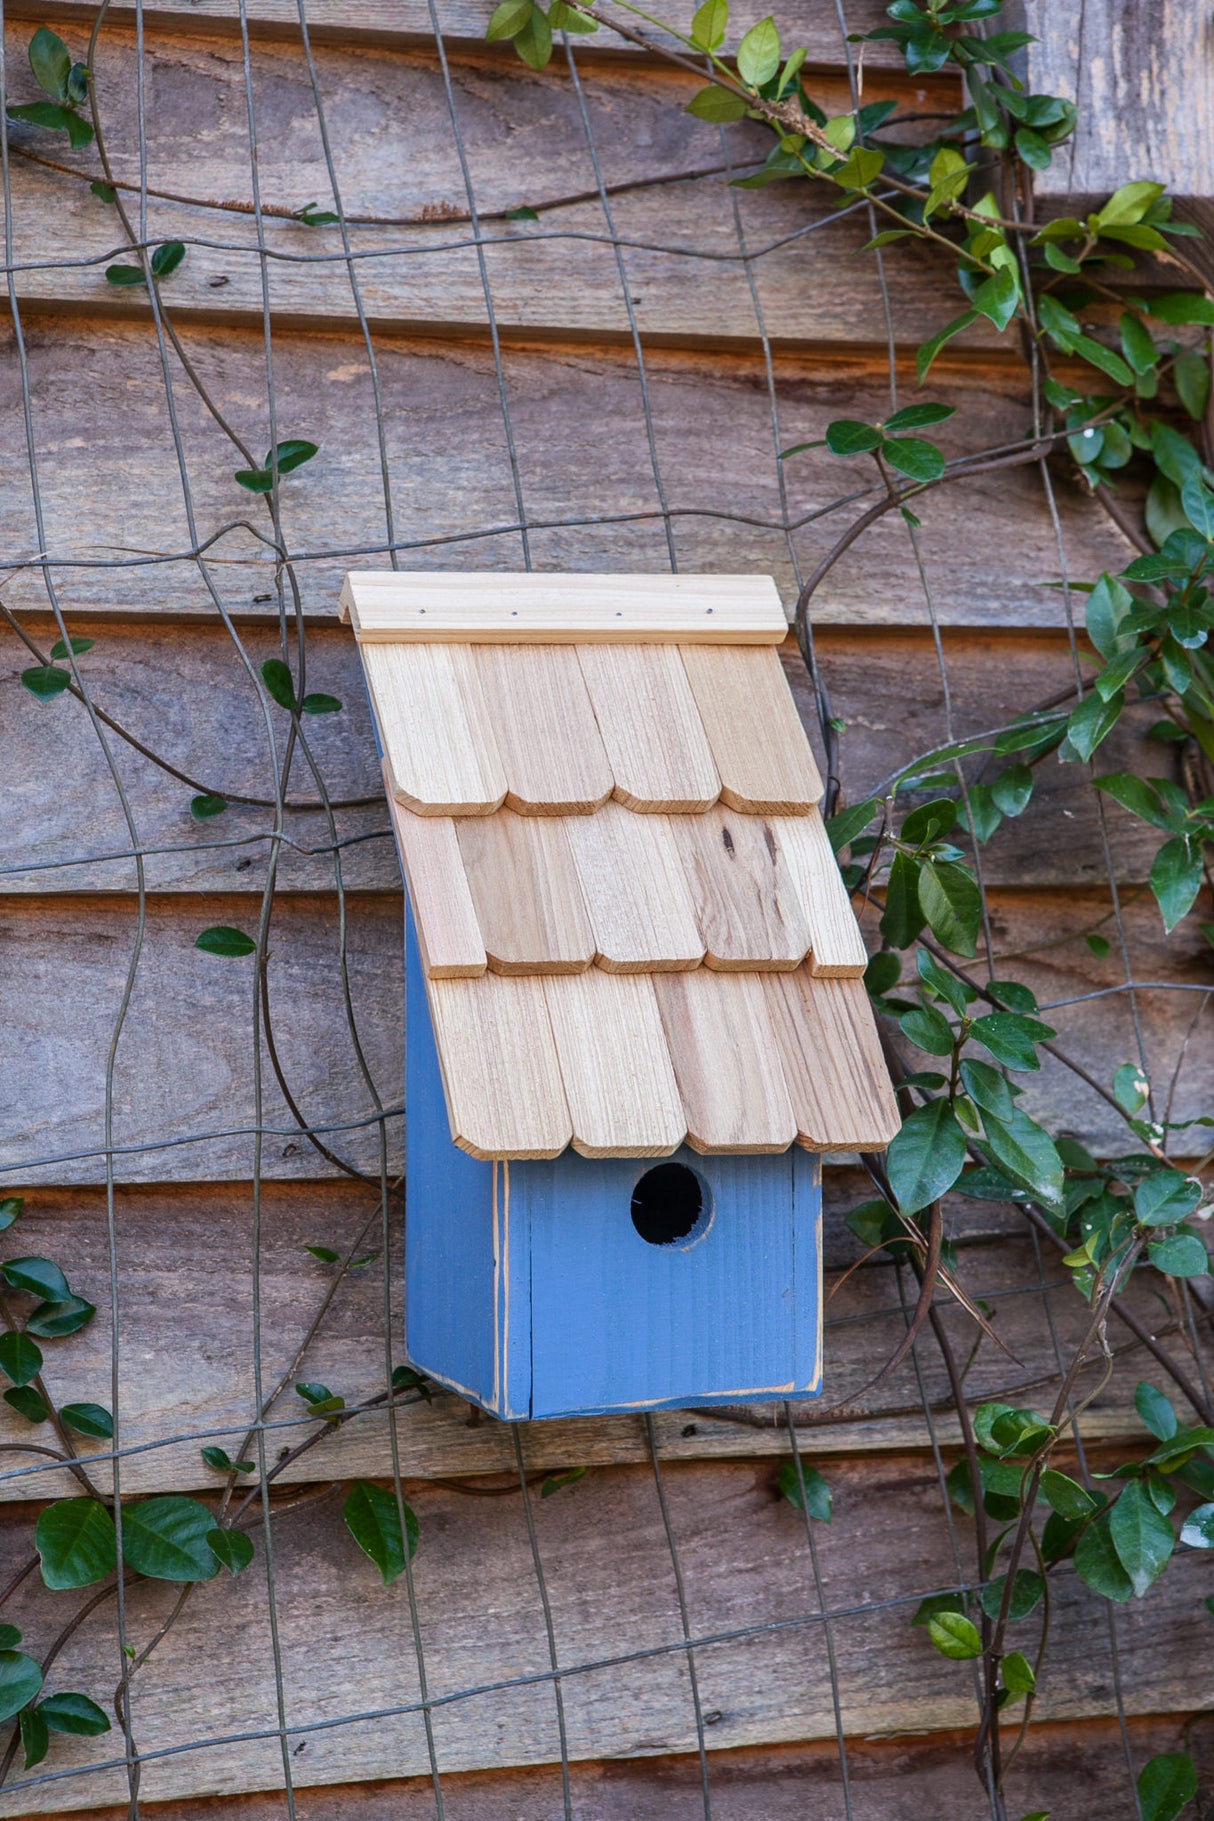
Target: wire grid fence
{"x":826,"y":1615}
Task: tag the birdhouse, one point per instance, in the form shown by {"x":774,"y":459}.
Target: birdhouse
{"x":635,"y":1012}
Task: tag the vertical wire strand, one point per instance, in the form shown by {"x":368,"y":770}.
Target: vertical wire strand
{"x":828,"y":1630}
{"x":541,"y":1581}
{"x":676,"y":1563}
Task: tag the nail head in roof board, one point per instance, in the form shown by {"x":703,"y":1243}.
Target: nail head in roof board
{"x":607,"y":1210}
{"x":487,"y":607}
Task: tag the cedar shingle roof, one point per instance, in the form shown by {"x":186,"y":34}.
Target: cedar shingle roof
{"x":633,"y":931}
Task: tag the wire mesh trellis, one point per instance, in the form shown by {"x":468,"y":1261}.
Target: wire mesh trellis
{"x":361,"y":1140}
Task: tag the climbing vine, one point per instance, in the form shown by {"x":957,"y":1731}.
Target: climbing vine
{"x":1118,"y":368}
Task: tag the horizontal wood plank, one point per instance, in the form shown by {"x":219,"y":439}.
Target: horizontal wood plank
{"x":481,"y":1623}
{"x":98,"y":401}
{"x":1078,"y":1767}
{"x":885,"y":686}
{"x":684,"y":234}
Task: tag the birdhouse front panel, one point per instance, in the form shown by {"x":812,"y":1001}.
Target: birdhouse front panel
{"x":635,"y":1004}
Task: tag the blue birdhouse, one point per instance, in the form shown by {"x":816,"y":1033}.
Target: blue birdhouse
{"x":635,"y":1012}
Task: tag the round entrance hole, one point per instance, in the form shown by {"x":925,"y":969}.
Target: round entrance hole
{"x":669,"y":1204}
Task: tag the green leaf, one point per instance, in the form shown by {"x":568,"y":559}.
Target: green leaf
{"x":709,"y":24}
{"x":20,"y":1359}
{"x":952,"y":904}
{"x":954,"y":1635}
{"x":373,"y":1520}
{"x":817,"y":1499}
{"x":1177,"y":307}
{"x":73,"y":1713}
{"x":926,"y":1157}
{"x":917,"y":417}
{"x":1012,"y":789}
{"x":27,"y":1403}
{"x":35,"y":1737}
{"x":54,"y":1320}
{"x":861,"y":168}
{"x":104,"y":192}
{"x":926,"y":355}
{"x":320,"y":704}
{"x":10,"y":1211}
{"x":51,"y":62}
{"x":1141,"y":1535}
{"x":508,"y":19}
{"x":902,"y":918}
{"x":912,"y":456}
{"x":223,"y":1463}
{"x":76,"y":1542}
{"x":1128,"y":204}
{"x":165,"y":1538}
{"x":167,"y":258}
{"x":928,"y":1029}
{"x":232,"y":1548}
{"x":1180,"y":1255}
{"x":55,"y":118}
{"x":1163,"y":1198}
{"x":222,"y":939}
{"x":1166,"y":1785}
{"x":716,"y":104}
{"x":1136,"y":795}
{"x":1026,"y":1594}
{"x":1191,"y":376}
{"x":10,"y":1637}
{"x":1098,"y":1564}
{"x":1093,"y":721}
{"x":125,"y":275}
{"x":929,"y":821}
{"x":1198,"y":1529}
{"x":280,"y":683}
{"x":204,"y":807}
{"x":1066,"y":1496}
{"x":847,"y":437}
{"x":89,"y":1419}
{"x":325,"y":1254}
{"x":1011,"y":1038}
{"x":844,"y":827}
{"x":996,"y":298}
{"x":20,"y":1681}
{"x":1198,"y":504}
{"x":534,"y":42}
{"x":59,"y":649}
{"x":1018,"y":1677}
{"x":36,"y":1276}
{"x":1176,"y":876}
{"x":255,"y":480}
{"x":46,"y":681}
{"x":1026,"y":1153}
{"x":759,"y":53}
{"x":1155,"y":1412}
{"x":292,"y":454}
{"x":557,"y":1482}
{"x":987,"y":1087}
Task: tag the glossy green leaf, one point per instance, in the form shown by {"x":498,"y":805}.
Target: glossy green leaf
{"x":926,"y":1157}
{"x":1027,"y":1591}
{"x":952,"y":904}
{"x":912,"y":456}
{"x":1197,"y":1531}
{"x":89,"y":1419}
{"x":125,"y":275}
{"x":279,"y":682}
{"x":232,"y":1548}
{"x":954,"y":1635}
{"x":35,"y":1736}
{"x":1141,"y":1535}
{"x":10,"y":1637}
{"x":36,"y":1276}
{"x":222,"y":1462}
{"x":1066,"y":1496}
{"x":78,"y":647}
{"x":27,"y":1403}
{"x":75,"y":1714}
{"x":315,"y":703}
{"x":848,"y":437}
{"x":759,"y":53}
{"x":1198,"y":504}
{"x":817,"y":1500}
{"x":844,"y":827}
{"x":508,"y":19}
{"x":1166,"y":1786}
{"x":1098,"y":1564}
{"x":10,"y":1211}
{"x":1191,"y":377}
{"x":76,"y":1542}
{"x":717,"y":105}
{"x":917,"y":417}
{"x":51,"y":62}
{"x":20,"y":1681}
{"x":20,"y":1359}
{"x":1093,"y":721}
{"x":204,"y":807}
{"x":166,"y":1539}
{"x":1026,"y":1153}
{"x":1176,"y":876}
{"x":222,"y":939}
{"x":373,"y":1520}
{"x":55,"y":118}
{"x":46,"y":681}
{"x":903,"y":917}
{"x":54,"y":1320}
{"x":534,"y":42}
{"x":1018,"y":1676}
{"x":928,"y":1030}
{"x":1155,"y":1411}
{"x":1165,"y":1197}
{"x":997,"y":297}
{"x":709,"y":24}
{"x":1012,"y":789}
{"x":1180,"y":1255}
{"x":167,"y":258}
{"x":1179,"y":307}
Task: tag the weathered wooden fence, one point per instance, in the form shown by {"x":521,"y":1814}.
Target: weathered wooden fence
{"x":604,"y":388}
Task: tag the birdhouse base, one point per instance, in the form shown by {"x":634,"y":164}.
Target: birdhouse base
{"x":578,"y":1286}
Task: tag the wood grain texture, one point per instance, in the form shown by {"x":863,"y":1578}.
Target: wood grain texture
{"x":837,"y":1079}
{"x":441,"y":754}
{"x":747,"y":905}
{"x":408,"y":22}
{"x":635,"y":891}
{"x":544,"y":728}
{"x":170,"y":1239}
{"x":184,"y":691}
{"x":590,"y":500}
{"x":481,"y":1623}
{"x":500,"y":1070}
{"x":491,"y":608}
{"x":623,"y":1097}
{"x":725,"y":1061}
{"x":526,"y":894}
{"x":1078,"y":1767}
{"x":651,"y":728}
{"x":834,"y":935}
{"x":757,"y":740}
{"x":525,"y":142}
{"x":1143,"y":83}
{"x":447,"y":929}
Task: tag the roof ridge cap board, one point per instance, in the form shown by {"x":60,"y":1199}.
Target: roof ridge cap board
{"x":634,"y":1007}
{"x":496,"y":607}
